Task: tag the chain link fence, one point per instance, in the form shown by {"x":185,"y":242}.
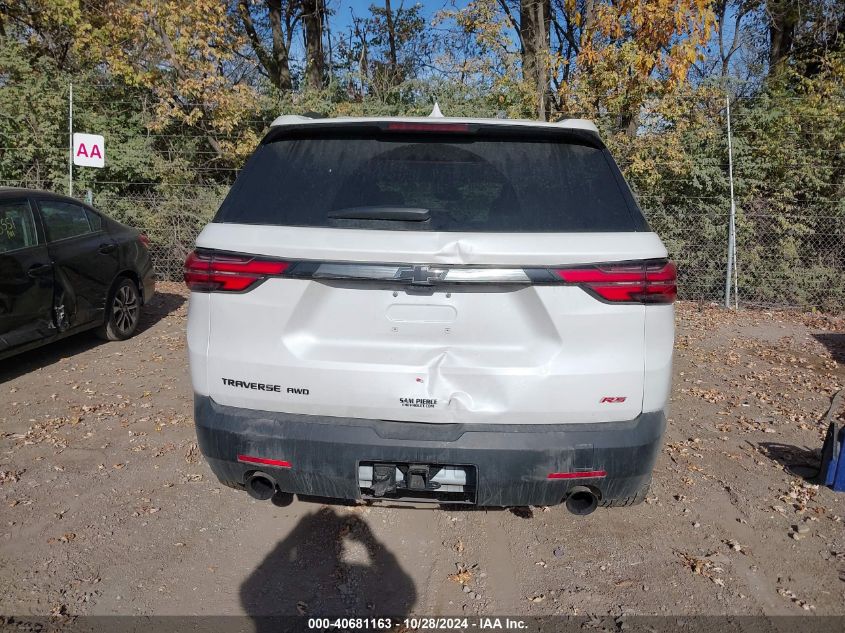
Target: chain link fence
{"x":797,"y":266}
{"x":172,"y":222}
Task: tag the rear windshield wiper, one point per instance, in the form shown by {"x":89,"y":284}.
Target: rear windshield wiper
{"x":382,"y":212}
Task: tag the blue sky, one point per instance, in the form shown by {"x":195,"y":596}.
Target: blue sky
{"x":342,"y":11}
{"x":343,"y":17}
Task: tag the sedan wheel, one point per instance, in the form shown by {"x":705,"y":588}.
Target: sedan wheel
{"x":126,"y":308}
{"x":124,"y":313}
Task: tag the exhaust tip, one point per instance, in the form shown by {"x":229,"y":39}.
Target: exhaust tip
{"x":260,"y":486}
{"x":581,"y":502}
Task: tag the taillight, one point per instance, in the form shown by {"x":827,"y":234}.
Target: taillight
{"x":216,"y":272}
{"x":637,"y":282}
{"x":142,"y":237}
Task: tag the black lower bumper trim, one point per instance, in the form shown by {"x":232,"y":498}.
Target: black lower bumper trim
{"x":512,"y":461}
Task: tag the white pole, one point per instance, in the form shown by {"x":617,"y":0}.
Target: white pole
{"x":70,"y":143}
{"x":730,"y":265}
{"x":736,"y":269}
{"x":732,"y":224}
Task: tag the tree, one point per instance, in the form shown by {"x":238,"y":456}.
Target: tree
{"x":803,"y":31}
{"x":534,"y":24}
{"x":384,"y":49}
{"x":57,"y":29}
{"x":187,"y":61}
{"x":391,"y":40}
{"x":633,"y":50}
{"x":608,"y":54}
{"x":313,"y":17}
{"x":735,"y":14}
{"x":281,"y":19}
{"x":783,"y":18}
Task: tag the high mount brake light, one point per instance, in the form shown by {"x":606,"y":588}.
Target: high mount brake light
{"x":637,"y":282}
{"x":398,"y":126}
{"x":214,"y":272}
{"x":144,"y":239}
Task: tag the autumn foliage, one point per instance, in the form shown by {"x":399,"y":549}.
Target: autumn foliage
{"x":184,"y":90}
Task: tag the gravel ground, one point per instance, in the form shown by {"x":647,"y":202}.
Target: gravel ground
{"x":108,"y":508}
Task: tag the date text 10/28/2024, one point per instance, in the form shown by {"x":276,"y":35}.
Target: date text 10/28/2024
{"x":420,"y":623}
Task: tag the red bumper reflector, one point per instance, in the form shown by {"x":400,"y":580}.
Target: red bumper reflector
{"x":579,"y":475}
{"x":249,"y":459}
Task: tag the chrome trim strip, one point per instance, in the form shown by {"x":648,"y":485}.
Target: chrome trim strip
{"x":421,"y":274}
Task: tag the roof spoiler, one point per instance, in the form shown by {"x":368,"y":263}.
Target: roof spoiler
{"x":582,"y":129}
{"x":578,"y":124}
{"x":293,"y":119}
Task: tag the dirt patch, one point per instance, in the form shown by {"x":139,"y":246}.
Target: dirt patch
{"x":107,"y":507}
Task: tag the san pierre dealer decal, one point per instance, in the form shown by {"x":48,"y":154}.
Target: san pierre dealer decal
{"x":418,"y":403}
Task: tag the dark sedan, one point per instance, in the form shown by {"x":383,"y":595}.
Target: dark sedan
{"x":64,"y":268}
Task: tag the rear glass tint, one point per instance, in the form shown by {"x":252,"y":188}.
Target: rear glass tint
{"x":467,"y":183}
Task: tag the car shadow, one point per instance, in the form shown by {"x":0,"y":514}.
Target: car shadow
{"x":835,"y":343}
{"x":161,"y":305}
{"x":797,"y":461}
{"x":329,"y":565}
{"x":806,"y":462}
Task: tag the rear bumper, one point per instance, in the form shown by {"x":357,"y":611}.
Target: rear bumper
{"x":512,"y":461}
{"x":149,"y":286}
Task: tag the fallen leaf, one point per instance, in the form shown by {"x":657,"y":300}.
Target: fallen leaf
{"x":462,"y":576}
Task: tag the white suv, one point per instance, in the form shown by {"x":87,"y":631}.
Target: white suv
{"x":431,"y":309}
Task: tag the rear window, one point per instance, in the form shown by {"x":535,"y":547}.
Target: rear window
{"x":17,"y":226}
{"x":63,"y":219}
{"x":464,"y":183}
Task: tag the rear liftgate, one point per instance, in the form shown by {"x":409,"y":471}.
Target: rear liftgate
{"x":591,"y":331}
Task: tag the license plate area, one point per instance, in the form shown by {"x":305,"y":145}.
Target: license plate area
{"x":434,"y":483}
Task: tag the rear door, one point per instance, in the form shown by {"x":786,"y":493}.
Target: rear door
{"x":26,"y":277}
{"x":421,"y":278}
{"x":85,"y":261}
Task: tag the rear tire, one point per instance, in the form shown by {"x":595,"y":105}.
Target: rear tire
{"x":123,"y":311}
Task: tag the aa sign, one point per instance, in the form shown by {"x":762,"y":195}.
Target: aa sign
{"x":89,"y":150}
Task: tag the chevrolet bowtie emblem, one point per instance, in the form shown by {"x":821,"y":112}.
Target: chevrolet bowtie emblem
{"x":421,"y":275}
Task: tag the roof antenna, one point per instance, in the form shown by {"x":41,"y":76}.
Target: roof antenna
{"x":435,"y":112}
